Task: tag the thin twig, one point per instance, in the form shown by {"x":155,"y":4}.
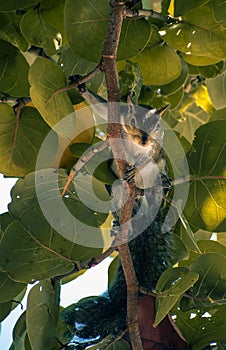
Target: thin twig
{"x":82,"y":162}
{"x":85,"y":78}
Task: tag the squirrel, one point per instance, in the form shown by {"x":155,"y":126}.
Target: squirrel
{"x":93,"y":318}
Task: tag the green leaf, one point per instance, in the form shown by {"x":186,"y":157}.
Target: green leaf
{"x":9,"y":288}
{"x":66,"y":233}
{"x":219,"y":10}
{"x":205,"y":207}
{"x":178,"y":82}
{"x":42,"y":314}
{"x":84,"y":18}
{"x":210,"y":71}
{"x":13,"y":71}
{"x":181,"y":7}
{"x":130,"y":81}
{"x":170,"y":286}
{"x":218,"y":115}
{"x":112,"y":270}
{"x":192,"y":117}
{"x":100,"y":167}
{"x":25,"y":259}
{"x":155,"y":69}
{"x":20,"y":339}
{"x":187,"y":235}
{"x":200,"y":60}
{"x":180,"y":251}
{"x":198,"y":34}
{"x":203,"y":235}
{"x":10,"y":30}
{"x":72,"y":63}
{"x":15,"y":4}
{"x":38,"y":32}
{"x":175,"y":98}
{"x":77,"y":149}
{"x":21,"y":136}
{"x":217,"y":90}
{"x":201,"y":327}
{"x":6,"y":308}
{"x":211,"y":268}
{"x":46,"y":78}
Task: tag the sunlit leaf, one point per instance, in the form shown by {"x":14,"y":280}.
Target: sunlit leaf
{"x":21,"y":136}
{"x":155,"y":69}
{"x":205,"y":206}
{"x":181,"y":7}
{"x":192,"y":117}
{"x":198,"y":34}
{"x":46,"y":78}
{"x":178,"y":82}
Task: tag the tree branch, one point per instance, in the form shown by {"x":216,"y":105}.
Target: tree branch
{"x":114,"y":132}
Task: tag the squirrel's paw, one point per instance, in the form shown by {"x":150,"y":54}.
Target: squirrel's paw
{"x":130,"y":173}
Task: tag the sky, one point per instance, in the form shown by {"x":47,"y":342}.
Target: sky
{"x":93,"y":282}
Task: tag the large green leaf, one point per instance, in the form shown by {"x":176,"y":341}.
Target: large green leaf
{"x":25,"y":259}
{"x":201,"y":327}
{"x":155,"y":68}
{"x":178,"y":82}
{"x":10,"y":30}
{"x":211,"y":268}
{"x":198,"y":34}
{"x":205,"y":206}
{"x":217,"y":90}
{"x":13,"y":71}
{"x":38,"y":32}
{"x":42,"y":314}
{"x":15,"y":4}
{"x":65,"y":226}
{"x":46,"y":78}
{"x":86,"y":26}
{"x":170,"y":286}
{"x":21,"y":136}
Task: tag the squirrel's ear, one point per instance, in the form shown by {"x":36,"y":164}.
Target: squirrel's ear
{"x":162,"y":110}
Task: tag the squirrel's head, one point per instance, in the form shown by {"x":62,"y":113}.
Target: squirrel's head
{"x":142,"y":125}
